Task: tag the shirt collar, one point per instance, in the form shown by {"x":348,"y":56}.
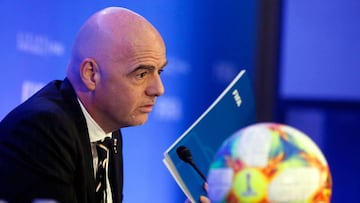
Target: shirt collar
{"x":96,"y":133}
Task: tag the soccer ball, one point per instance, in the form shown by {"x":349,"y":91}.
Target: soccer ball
{"x":269,"y":163}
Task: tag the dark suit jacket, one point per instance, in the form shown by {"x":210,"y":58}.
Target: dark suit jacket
{"x":45,"y":150}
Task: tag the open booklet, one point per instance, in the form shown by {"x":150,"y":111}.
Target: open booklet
{"x":231,"y":111}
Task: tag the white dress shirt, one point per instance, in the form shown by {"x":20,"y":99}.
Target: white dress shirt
{"x":96,"y":133}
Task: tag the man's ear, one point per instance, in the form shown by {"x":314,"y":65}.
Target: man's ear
{"x":88,"y":73}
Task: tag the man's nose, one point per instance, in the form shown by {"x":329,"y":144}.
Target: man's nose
{"x":156,"y":87}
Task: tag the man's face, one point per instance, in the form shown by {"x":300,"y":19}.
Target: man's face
{"x":129,"y":86}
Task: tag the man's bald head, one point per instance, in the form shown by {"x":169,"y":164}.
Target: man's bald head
{"x":110,"y":34}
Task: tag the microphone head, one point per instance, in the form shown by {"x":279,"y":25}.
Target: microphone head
{"x":184,"y":154}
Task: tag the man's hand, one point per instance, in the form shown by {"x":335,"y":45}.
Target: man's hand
{"x":203,"y":199}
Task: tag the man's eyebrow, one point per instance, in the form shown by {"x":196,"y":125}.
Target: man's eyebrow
{"x":149,"y":67}
{"x":145,"y":67}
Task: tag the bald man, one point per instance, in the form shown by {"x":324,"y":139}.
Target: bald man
{"x":48,"y":143}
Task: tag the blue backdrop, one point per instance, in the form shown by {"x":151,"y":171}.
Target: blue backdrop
{"x":208,"y":42}
{"x":320,"y":46}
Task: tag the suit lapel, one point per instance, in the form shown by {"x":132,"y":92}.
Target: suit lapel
{"x":87,"y":160}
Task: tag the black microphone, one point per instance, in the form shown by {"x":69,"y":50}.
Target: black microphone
{"x":185,"y":155}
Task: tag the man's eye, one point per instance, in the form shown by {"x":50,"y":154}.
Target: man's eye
{"x":142,"y":74}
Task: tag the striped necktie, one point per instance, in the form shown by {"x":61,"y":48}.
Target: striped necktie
{"x":102,"y":148}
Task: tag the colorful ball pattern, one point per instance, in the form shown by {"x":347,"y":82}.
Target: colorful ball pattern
{"x":269,"y":163}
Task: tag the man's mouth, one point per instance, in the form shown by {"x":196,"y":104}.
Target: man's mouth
{"x":146,"y":108}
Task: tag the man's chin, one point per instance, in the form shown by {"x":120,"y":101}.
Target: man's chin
{"x":138,"y":120}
